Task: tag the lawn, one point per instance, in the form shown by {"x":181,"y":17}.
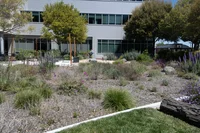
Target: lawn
{"x":137,"y":121}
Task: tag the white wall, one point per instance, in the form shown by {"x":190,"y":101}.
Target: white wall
{"x":95,"y":31}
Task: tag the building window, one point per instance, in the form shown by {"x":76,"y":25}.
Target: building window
{"x":99,"y":46}
{"x":41,"y":18}
{"x":36,"y":16}
{"x":91,"y":18}
{"x":118,"y":19}
{"x":111,"y":46}
{"x":111,"y":19}
{"x":105,"y":18}
{"x":98,"y":19}
{"x":85,"y":15}
{"x":125,"y":19}
{"x":104,"y":46}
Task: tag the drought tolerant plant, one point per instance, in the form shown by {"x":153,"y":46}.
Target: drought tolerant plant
{"x":117,"y":100}
{"x":192,"y":89}
{"x":154,"y":73}
{"x":165,"y":83}
{"x":112,"y":73}
{"x":190,"y":63}
{"x":45,"y":92}
{"x":190,"y":76}
{"x":27,"y":99}
{"x":132,"y":55}
{"x":119,"y":61}
{"x":123,"y":81}
{"x":46,"y":63}
{"x":2,"y":98}
{"x":94,"y":94}
{"x":144,"y":57}
{"x":110,"y":56}
{"x":72,"y":88}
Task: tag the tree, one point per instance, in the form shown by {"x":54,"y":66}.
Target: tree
{"x":60,"y":20}
{"x":192,"y":29}
{"x":145,"y":20}
{"x":11,"y":17}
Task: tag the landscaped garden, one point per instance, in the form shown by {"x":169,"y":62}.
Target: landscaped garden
{"x":44,"y":97}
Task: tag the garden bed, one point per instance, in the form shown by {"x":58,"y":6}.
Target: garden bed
{"x":63,"y":109}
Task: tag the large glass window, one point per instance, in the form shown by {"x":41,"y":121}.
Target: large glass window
{"x":41,"y":18}
{"x":85,"y":15}
{"x":105,"y":18}
{"x":111,"y":46}
{"x":118,"y":19}
{"x":117,"y":47}
{"x":125,"y":19}
{"x":99,"y":46}
{"x":112,"y":19}
{"x":36,"y":16}
{"x":104,"y":46}
{"x":91,"y":18}
{"x":98,"y":19}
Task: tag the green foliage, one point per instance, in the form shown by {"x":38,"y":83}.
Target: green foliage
{"x":190,"y":76}
{"x":72,"y":88}
{"x":46,"y":63}
{"x":10,"y":10}
{"x":145,"y":19}
{"x":111,"y":56}
{"x":55,"y":53}
{"x":154,"y":73}
{"x":66,"y":57}
{"x":144,"y":57}
{"x":25,"y":54}
{"x":113,"y":73}
{"x":94,"y":94}
{"x":75,"y":115}
{"x":132,"y":55}
{"x":34,"y":110}
{"x":60,"y":20}
{"x":153,"y":89}
{"x":168,"y":55}
{"x":119,"y":61}
{"x":2,"y":98}
{"x":117,"y":100}
{"x":123,"y":81}
{"x":45,"y":92}
{"x":27,"y":99}
{"x":165,"y":83}
{"x":141,"y":87}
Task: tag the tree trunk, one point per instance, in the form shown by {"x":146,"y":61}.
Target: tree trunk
{"x":184,"y":111}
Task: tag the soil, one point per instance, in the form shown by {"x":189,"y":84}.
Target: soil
{"x":62,"y":110}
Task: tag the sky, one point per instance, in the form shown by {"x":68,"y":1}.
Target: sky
{"x":174,"y":2}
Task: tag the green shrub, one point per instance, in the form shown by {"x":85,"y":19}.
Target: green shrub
{"x":2,"y":98}
{"x":141,"y":87}
{"x":66,"y":57}
{"x":117,"y":100}
{"x":72,"y":88}
{"x":119,"y":61}
{"x":81,"y":57}
{"x":144,"y":57}
{"x":191,"y":76}
{"x":45,"y":92}
{"x":132,"y":55}
{"x":165,"y":83}
{"x":154,"y":73}
{"x":123,"y":81}
{"x":112,"y":73}
{"x":110,"y":56}
{"x":94,"y":94}
{"x":34,"y":110}
{"x":27,"y":99}
{"x":153,"y":89}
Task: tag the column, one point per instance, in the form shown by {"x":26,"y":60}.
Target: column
{"x":1,"y":44}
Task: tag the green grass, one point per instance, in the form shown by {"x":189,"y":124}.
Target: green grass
{"x":137,"y":121}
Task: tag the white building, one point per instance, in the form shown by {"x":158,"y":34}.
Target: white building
{"x":106,"y":19}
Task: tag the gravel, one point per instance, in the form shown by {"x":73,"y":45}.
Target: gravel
{"x":62,"y":110}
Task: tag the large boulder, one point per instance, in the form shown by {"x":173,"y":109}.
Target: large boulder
{"x":169,"y":70}
{"x":184,"y":111}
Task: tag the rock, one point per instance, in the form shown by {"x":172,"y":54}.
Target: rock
{"x":93,"y":60}
{"x":124,"y":60}
{"x":184,"y":111}
{"x":169,"y":70}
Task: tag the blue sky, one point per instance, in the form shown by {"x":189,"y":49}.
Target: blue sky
{"x":174,"y":2}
